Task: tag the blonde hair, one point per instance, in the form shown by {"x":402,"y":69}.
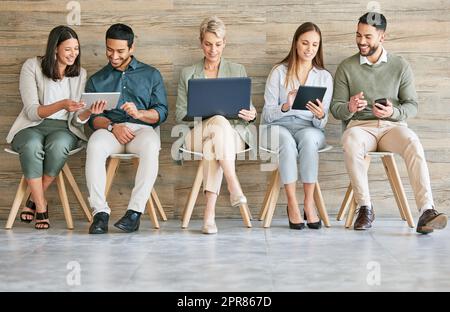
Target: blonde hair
{"x":214,"y":25}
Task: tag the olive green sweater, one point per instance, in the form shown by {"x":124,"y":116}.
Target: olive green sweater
{"x":392,"y":80}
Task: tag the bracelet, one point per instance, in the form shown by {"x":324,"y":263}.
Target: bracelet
{"x":284,"y":111}
{"x":319,"y":118}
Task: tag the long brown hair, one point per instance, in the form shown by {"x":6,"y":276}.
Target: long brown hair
{"x":49,"y":62}
{"x":291,"y":60}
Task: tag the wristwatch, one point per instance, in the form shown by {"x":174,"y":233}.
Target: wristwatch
{"x":110,"y":127}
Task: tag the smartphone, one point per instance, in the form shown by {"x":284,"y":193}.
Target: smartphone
{"x":382,"y":101}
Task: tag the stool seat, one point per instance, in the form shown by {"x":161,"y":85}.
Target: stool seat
{"x":23,"y":192}
{"x":124,"y":156}
{"x":72,"y":152}
{"x":273,"y":191}
{"x":326,"y":148}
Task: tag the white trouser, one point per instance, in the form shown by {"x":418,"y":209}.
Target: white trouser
{"x":101,"y":145}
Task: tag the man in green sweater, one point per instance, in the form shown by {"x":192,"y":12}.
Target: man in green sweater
{"x":374,"y":94}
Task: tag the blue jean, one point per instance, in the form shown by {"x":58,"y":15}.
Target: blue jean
{"x":299,"y":143}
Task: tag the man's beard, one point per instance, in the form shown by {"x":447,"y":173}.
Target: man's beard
{"x":371,"y":52}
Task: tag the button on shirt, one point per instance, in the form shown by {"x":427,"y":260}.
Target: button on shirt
{"x":140,"y":83}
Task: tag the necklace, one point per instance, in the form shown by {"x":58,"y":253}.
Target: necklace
{"x":211,"y":67}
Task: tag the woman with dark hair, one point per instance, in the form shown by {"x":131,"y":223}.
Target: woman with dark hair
{"x":301,"y":132}
{"x":49,"y":126}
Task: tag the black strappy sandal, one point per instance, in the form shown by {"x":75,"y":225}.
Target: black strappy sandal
{"x":30,"y":205}
{"x":39,"y":217}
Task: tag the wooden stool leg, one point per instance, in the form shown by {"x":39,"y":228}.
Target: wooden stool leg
{"x":394,"y":191}
{"x":64,"y":200}
{"x":351,"y":213}
{"x":21,"y":190}
{"x":249,"y":212}
{"x":152,"y":213}
{"x":159,"y":207}
{"x":345,"y":203}
{"x":245,"y":213}
{"x":320,"y":204}
{"x":187,"y":213}
{"x":266,"y":201}
{"x":273,"y":201}
{"x":392,"y":167}
{"x":76,"y":190}
{"x":110,"y":173}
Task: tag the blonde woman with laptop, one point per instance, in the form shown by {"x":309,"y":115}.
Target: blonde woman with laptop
{"x":218,"y":139}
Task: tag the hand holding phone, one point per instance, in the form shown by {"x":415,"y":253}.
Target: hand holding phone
{"x":382,"y":108}
{"x":382,"y":101}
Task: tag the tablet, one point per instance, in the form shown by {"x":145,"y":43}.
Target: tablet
{"x":111,"y":98}
{"x":306,"y":94}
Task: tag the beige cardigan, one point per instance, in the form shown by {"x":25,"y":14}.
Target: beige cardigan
{"x":226,"y":69}
{"x":32,"y":88}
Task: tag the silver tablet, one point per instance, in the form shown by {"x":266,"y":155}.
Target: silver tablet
{"x":111,"y":98}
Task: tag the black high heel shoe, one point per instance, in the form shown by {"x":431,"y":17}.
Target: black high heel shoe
{"x":294,"y":226}
{"x":313,"y":225}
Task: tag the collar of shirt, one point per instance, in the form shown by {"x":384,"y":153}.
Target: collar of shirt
{"x":364,"y":60}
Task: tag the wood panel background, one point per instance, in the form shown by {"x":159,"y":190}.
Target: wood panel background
{"x":259,"y":33}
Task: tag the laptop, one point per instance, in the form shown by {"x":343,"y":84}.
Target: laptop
{"x":306,"y":94}
{"x":217,"y":96}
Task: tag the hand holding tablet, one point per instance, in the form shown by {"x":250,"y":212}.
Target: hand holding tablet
{"x":111,"y":99}
{"x":307,"y":94}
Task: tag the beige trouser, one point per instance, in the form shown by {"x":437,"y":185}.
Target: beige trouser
{"x":102,"y":144}
{"x":363,"y":136}
{"x":217,"y":140}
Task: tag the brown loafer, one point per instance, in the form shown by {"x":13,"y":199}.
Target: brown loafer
{"x":364,"y":219}
{"x":431,"y":220}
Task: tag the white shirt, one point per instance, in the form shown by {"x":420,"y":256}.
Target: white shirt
{"x":364,"y":60}
{"x":57,"y":91}
{"x":276,"y":93}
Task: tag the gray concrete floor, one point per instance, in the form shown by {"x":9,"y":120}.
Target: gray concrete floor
{"x":390,"y":257}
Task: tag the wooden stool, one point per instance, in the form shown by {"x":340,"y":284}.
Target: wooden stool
{"x":114,"y":161}
{"x":272,"y":193}
{"x":396,"y":185}
{"x":23,"y":191}
{"x":190,"y":203}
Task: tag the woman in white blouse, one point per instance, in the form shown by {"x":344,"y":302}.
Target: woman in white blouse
{"x":301,"y":132}
{"x":49,"y":127}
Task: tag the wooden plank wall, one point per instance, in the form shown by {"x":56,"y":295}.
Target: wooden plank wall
{"x":259,"y":34}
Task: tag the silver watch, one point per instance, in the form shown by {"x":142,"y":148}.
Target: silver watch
{"x":110,"y":127}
